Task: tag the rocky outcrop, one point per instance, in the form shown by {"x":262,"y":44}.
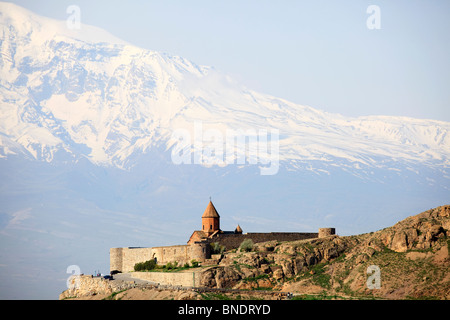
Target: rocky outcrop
{"x":220,"y":277}
{"x":272,"y":262}
{"x":87,"y":285}
{"x":419,"y":232}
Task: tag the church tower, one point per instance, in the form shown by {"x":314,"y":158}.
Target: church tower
{"x":210,"y":220}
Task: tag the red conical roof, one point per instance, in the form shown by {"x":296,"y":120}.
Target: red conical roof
{"x":210,"y":211}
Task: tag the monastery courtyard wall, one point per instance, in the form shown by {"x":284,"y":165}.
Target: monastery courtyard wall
{"x":232,"y":241}
{"x":184,"y":279}
{"x":124,"y":259}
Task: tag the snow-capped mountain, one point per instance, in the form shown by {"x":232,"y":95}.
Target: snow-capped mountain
{"x":68,"y":94}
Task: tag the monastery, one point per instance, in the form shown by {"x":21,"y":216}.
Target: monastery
{"x":198,"y":246}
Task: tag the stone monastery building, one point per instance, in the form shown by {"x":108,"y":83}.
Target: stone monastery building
{"x":198,"y":246}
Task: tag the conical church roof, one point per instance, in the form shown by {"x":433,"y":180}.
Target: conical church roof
{"x":210,"y":211}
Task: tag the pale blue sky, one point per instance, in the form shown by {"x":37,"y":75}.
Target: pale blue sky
{"x":317,"y":53}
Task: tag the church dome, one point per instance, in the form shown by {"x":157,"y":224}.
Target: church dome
{"x":210,"y":211}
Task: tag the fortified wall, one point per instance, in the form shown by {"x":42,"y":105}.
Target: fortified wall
{"x":124,"y":259}
{"x":232,"y":241}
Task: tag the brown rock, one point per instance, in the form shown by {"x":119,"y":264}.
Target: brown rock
{"x":330,"y":253}
{"x":226,"y":277}
{"x":361,"y":258}
{"x":287,"y":267}
{"x":208,"y":279}
{"x":399,"y":242}
{"x":265,"y":268}
{"x":250,"y":285}
{"x":444,"y":211}
{"x":264,"y":283}
{"x":369,"y":251}
{"x":278,"y":274}
{"x":299,"y":264}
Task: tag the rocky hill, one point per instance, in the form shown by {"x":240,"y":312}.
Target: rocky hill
{"x":412,"y":257}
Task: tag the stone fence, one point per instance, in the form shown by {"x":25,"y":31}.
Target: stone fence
{"x":185,"y":279}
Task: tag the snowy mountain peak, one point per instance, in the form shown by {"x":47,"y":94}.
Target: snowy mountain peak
{"x":33,"y":27}
{"x":67,"y":94}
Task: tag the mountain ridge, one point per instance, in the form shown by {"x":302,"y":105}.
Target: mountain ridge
{"x":108,"y":102}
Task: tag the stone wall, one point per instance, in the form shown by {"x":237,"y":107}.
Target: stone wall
{"x":124,"y":259}
{"x":184,"y":279}
{"x":233,"y":240}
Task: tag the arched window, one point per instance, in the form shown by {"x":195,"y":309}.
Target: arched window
{"x":210,"y":226}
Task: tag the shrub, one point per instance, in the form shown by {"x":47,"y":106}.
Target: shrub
{"x":216,"y":248}
{"x":194,"y":263}
{"x":246,"y":245}
{"x":145,"y":266}
{"x":170,"y":265}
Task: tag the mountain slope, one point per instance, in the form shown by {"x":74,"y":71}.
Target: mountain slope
{"x":65,"y":95}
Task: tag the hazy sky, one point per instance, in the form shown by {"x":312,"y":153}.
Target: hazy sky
{"x":317,"y":53}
